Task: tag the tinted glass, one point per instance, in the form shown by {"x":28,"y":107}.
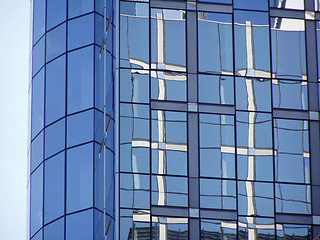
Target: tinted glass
{"x":55,"y":89}
{"x":215,"y":43}
{"x":80,"y":79}
{"x":80,"y":31}
{"x":288,"y":4}
{"x":56,"y":12}
{"x":251,"y":4}
{"x":217,"y":1}
{"x":79,"y":7}
{"x":39,"y":13}
{"x":36,"y":200}
{"x":79,"y":178}
{"x":130,"y":226}
{"x":54,"y":230}
{"x":291,"y":232}
{"x":54,"y":182}
{"x":37,"y":110}
{"x":80,"y":226}
{"x":56,"y":42}
{"x":264,"y":228}
{"x":36,"y":151}
{"x":38,"y":53}
{"x":55,"y":138}
{"x":169,"y":226}
{"x":217,"y":229}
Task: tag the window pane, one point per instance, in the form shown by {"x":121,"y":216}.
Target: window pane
{"x":288,"y":4}
{"x":38,"y":53}
{"x":54,"y":188}
{"x":56,"y":42}
{"x":292,"y":232}
{"x":55,"y":138}
{"x":39,"y":13}
{"x":55,"y":89}
{"x":215,"y":43}
{"x":80,"y":79}
{"x":80,"y":31}
{"x":80,"y":226}
{"x":36,"y":151}
{"x":36,"y":195}
{"x":134,"y":223}
{"x":79,"y":7}
{"x":217,"y":1}
{"x":79,"y":178}
{"x":175,"y":228}
{"x":56,"y":12}
{"x":37,"y":110}
{"x":218,"y":229}
{"x":55,"y":230}
{"x":258,"y":228}
{"x":252,"y":4}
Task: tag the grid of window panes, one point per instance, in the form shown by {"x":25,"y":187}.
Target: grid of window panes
{"x":218,"y":119}
{"x":67,"y":129}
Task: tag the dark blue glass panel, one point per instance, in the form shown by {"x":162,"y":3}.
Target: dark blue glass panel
{"x":56,"y":12}
{"x":80,"y":79}
{"x":36,"y":151}
{"x":54,"y":138}
{"x":37,"y":109}
{"x":39,"y":13}
{"x":55,"y":90}
{"x":80,"y":128}
{"x":56,"y":42}
{"x":55,"y":230}
{"x":79,"y":7}
{"x":38,"y":53}
{"x":54,"y":182}
{"x":251,"y":4}
{"x":80,"y":226}
{"x":80,"y":31}
{"x":79,"y":178}
{"x":36,"y":199}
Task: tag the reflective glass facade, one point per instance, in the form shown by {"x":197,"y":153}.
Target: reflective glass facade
{"x":166,"y":120}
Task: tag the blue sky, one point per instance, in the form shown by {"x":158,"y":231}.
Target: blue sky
{"x":14,"y":71}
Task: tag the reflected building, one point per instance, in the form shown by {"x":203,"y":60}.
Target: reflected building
{"x":174,"y":119}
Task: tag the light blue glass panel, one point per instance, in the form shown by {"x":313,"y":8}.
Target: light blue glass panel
{"x":56,"y":12}
{"x":80,"y":79}
{"x":38,"y":236}
{"x":79,"y":7}
{"x":55,"y":138}
{"x":36,"y":151}
{"x":217,"y":1}
{"x":215,"y":43}
{"x":36,"y":198}
{"x":55,"y":230}
{"x":56,"y":42}
{"x":252,"y":4}
{"x":37,"y":109}
{"x":80,"y":226}
{"x":39,"y":15}
{"x":38,"y":54}
{"x":79,"y":178}
{"x":80,"y":31}
{"x":54,"y":182}
{"x":55,"y":90}
{"x":80,"y":128}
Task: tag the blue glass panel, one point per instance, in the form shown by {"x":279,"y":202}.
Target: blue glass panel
{"x":80,"y":226}
{"x":80,"y":79}
{"x":37,"y":109}
{"x":217,"y":1}
{"x":80,"y":128}
{"x":263,"y":232}
{"x":55,"y":89}
{"x":56,"y":12}
{"x":288,"y":4}
{"x":39,"y":13}
{"x":36,"y":199}
{"x":79,"y":7}
{"x":292,"y":232}
{"x":80,"y":31}
{"x":36,"y":151}
{"x":55,"y":230}
{"x":251,"y":4}
{"x":219,"y":228}
{"x":56,"y":42}
{"x":79,"y":178}
{"x":54,"y":182}
{"x":38,"y":54}
{"x":38,"y":236}
{"x":54,"y":138}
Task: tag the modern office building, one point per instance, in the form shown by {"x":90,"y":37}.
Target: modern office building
{"x":175,"y":120}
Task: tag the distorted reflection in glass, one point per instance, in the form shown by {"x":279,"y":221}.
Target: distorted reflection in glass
{"x":168,"y":39}
{"x":134,"y":35}
{"x":169,"y":191}
{"x":135,"y":191}
{"x":134,"y":223}
{"x":290,"y":94}
{"x":291,"y":145}
{"x":169,"y":228}
{"x":134,"y":85}
{"x":254,"y":146}
{"x":255,"y":198}
{"x":168,"y":85}
{"x":218,"y":229}
{"x":169,"y":142}
{"x":253,"y":94}
{"x":134,"y":138}
{"x":293,"y":198}
{"x":215,"y":43}
{"x":288,"y":48}
{"x":252,"y":51}
{"x":216,"y":89}
{"x":293,"y":232}
{"x":287,"y":4}
{"x":218,"y":194}
{"x":217,"y":146}
{"x":256,"y":228}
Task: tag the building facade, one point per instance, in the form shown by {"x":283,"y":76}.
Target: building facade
{"x":168,"y":120}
